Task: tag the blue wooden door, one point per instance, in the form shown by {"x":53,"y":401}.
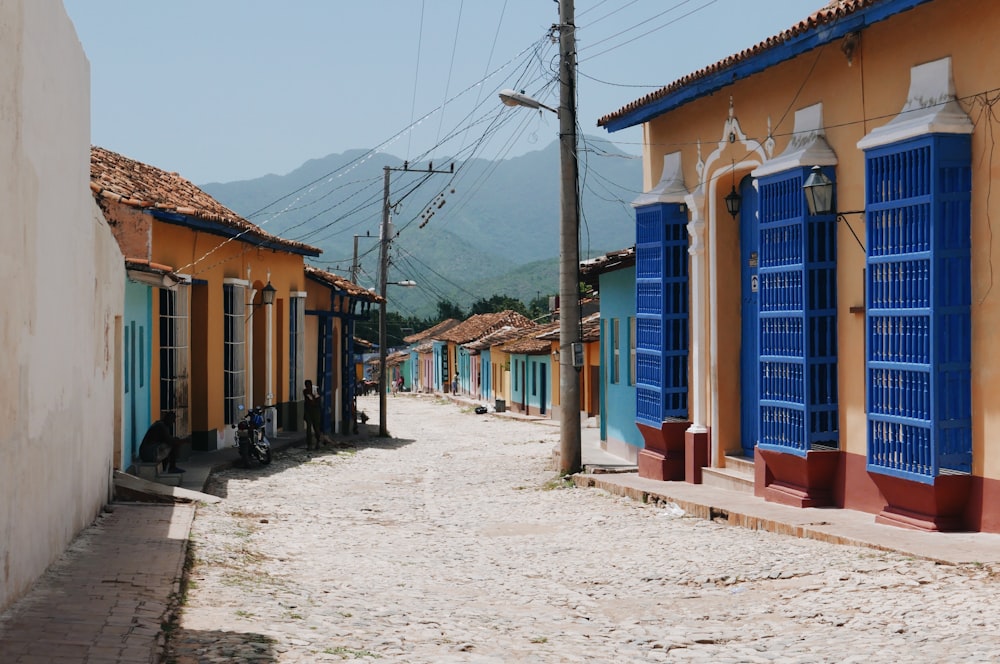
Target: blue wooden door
{"x":137,"y":356}
{"x":749,"y":286}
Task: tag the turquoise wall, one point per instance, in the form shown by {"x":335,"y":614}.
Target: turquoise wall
{"x":617,"y":291}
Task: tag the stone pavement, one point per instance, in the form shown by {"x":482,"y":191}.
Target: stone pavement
{"x":107,"y":597}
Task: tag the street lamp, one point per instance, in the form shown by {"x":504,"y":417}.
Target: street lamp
{"x":513,"y":98}
{"x":383,"y":430}
{"x":569,"y":242}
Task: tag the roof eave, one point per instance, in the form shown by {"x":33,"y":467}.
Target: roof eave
{"x":218,"y":228}
{"x":797,"y":45}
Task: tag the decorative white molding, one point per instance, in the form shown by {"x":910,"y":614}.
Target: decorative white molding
{"x":697,"y":389}
{"x":696,"y":226}
{"x":699,"y":167}
{"x":931,"y":108}
{"x":670,"y":188}
{"x":808,"y":146}
{"x":232,"y":281}
{"x":297,"y":293}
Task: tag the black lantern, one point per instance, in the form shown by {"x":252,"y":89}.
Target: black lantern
{"x":267,"y":293}
{"x":733,"y":200}
{"x":819,"y":192}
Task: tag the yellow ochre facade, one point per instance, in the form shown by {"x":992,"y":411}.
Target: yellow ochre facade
{"x":860,"y":88}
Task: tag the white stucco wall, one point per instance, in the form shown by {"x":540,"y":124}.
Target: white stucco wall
{"x":61,"y":289}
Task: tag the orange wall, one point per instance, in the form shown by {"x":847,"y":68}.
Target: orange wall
{"x":857,"y":96}
{"x":212,"y":258}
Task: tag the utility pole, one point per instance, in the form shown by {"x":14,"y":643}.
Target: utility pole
{"x":354,"y":262}
{"x":570,"y":454}
{"x":383,"y":281}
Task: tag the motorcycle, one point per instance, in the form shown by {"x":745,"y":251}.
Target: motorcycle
{"x":250,"y":438}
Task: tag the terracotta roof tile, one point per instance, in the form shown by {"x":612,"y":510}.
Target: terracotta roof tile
{"x":480,"y":324}
{"x":530,"y":343}
{"x":590,"y":329}
{"x":340,"y":283}
{"x":495,"y":338}
{"x":129,"y":182}
{"x":613,"y":260}
{"x":397,"y":358}
{"x":832,"y":12}
{"x":429,"y":333}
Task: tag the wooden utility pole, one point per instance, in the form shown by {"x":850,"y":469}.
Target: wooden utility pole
{"x":570,"y":454}
{"x":383,"y":282}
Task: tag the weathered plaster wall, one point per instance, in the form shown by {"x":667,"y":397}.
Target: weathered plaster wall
{"x":63,"y":277}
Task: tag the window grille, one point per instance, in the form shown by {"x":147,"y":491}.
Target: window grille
{"x":296,"y":346}
{"x":631,"y":350}
{"x":662,"y":303}
{"x":174,"y":350}
{"x":234,"y":351}
{"x":797,"y":320}
{"x":918,"y":197}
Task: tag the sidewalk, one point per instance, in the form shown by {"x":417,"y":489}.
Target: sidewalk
{"x":108,"y":598}
{"x":110,"y":595}
{"x":837,"y":526}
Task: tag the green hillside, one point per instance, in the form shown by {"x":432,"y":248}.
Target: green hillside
{"x":489,"y":227}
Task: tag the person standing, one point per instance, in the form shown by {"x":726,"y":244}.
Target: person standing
{"x":312,"y":415}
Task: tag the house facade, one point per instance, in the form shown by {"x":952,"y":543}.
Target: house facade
{"x":454,"y":360}
{"x":531,"y":371}
{"x":613,"y":276}
{"x":427,"y":370}
{"x":62,"y":304}
{"x":331,"y":308}
{"x":230,"y":329}
{"x":842,"y":341}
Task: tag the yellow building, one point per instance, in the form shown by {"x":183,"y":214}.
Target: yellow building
{"x":846,"y":349}
{"x":206,"y":341}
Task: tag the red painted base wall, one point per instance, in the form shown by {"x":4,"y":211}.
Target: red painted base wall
{"x":859,"y":492}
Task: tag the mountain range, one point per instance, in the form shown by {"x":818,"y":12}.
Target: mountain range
{"x":468,"y":230}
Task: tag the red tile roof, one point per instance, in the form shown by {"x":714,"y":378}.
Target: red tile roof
{"x":495,"y":338}
{"x":832,"y":12}
{"x":480,"y":324}
{"x":529,"y":342}
{"x":613,"y":260}
{"x":122,"y":180}
{"x":590,"y":329}
{"x":430,"y":332}
{"x":340,"y":283}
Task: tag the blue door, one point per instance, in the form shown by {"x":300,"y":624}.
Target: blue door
{"x":137,"y":356}
{"x":749,"y":286}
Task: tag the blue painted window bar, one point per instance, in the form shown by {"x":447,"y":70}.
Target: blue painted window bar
{"x":662,"y":305}
{"x":918,"y":205}
{"x":798,"y":320}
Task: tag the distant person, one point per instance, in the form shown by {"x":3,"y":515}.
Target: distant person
{"x":312,"y":415}
{"x":159,"y":445}
{"x":454,"y":384}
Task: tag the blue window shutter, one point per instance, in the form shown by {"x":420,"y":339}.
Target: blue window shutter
{"x":662,"y":306}
{"x":919,"y":293}
{"x":798,"y":319}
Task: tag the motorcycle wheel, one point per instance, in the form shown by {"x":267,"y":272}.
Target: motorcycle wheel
{"x":264,"y":456}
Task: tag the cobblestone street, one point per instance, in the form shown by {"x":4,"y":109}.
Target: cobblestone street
{"x":454,"y":541}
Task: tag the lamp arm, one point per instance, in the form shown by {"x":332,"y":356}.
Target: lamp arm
{"x":841,"y":217}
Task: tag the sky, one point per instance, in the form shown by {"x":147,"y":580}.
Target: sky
{"x":225,"y":90}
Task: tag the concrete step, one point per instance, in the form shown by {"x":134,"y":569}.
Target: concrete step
{"x":740,"y":464}
{"x":738,"y":475}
